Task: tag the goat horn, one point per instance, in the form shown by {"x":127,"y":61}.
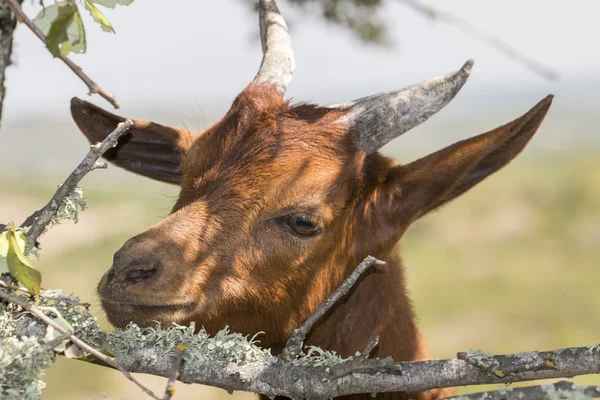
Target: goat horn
{"x":278,"y":58}
{"x":382,"y":117}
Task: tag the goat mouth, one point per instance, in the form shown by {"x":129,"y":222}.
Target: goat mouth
{"x":133,"y":307}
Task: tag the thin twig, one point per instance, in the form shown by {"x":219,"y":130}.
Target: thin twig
{"x":558,"y":390}
{"x":175,"y":370}
{"x":38,"y":221}
{"x":369,"y":347}
{"x":295,"y":342}
{"x":45,"y":296}
{"x":74,"y":339}
{"x":481,"y":34}
{"x":93,"y":87}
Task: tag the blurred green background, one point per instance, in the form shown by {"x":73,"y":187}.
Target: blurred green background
{"x":513,"y":265}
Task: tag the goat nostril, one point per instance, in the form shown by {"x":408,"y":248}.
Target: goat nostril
{"x":140,"y":274}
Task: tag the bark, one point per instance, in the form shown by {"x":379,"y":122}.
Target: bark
{"x":39,"y":220}
{"x":8,"y":23}
{"x":276,"y":377}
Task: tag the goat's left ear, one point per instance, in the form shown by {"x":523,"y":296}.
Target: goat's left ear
{"x":432,"y":181}
{"x":147,"y":148}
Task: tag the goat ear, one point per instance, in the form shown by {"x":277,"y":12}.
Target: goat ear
{"x":432,"y":181}
{"x":148,"y":148}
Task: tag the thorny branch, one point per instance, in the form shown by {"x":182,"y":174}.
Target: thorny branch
{"x":38,"y":221}
{"x":481,"y":34}
{"x":74,"y":339}
{"x":93,"y":87}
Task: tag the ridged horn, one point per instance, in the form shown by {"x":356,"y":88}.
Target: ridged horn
{"x":278,"y":62}
{"x":382,"y":117}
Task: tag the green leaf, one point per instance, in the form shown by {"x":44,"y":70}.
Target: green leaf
{"x":63,"y":27}
{"x":112,"y":3}
{"x":52,"y":334}
{"x":77,"y":37}
{"x":99,"y":17}
{"x":18,"y":265}
{"x":48,"y":15}
{"x":21,"y":242}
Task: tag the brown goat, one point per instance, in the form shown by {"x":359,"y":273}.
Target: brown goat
{"x":280,"y":202}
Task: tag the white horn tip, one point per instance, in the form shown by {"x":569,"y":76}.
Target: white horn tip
{"x":468,"y":65}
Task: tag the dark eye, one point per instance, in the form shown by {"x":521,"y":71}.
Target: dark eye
{"x":303,"y":224}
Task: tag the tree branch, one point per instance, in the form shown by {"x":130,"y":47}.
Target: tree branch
{"x":8,"y":22}
{"x":491,"y":40}
{"x":295,"y":343}
{"x":74,"y":339}
{"x":369,"y":347}
{"x":44,"y":295}
{"x":93,"y":87}
{"x":275,"y":376}
{"x":175,"y":370}
{"x":554,"y":391}
{"x":231,"y":362}
{"x":38,"y":221}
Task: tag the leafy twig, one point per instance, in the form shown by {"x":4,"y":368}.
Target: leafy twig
{"x":74,"y":339}
{"x":38,"y":221}
{"x":93,"y":87}
{"x":295,"y":342}
{"x":481,"y":34}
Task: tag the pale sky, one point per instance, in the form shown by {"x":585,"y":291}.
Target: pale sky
{"x":183,"y":62}
{"x":192,"y":53}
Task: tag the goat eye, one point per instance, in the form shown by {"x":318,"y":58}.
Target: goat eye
{"x":303,"y":224}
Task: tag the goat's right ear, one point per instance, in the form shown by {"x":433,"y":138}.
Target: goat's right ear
{"x":148,"y":148}
{"x":434,"y":180}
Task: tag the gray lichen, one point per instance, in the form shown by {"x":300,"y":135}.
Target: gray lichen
{"x":23,"y":359}
{"x":22,"y":364}
{"x":70,"y":207}
{"x":24,"y":355}
{"x":576,"y":393}
{"x":222,"y":349}
{"x":23,"y":346}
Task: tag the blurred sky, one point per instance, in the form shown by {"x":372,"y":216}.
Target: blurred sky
{"x":193,"y":53}
{"x":183,"y":62}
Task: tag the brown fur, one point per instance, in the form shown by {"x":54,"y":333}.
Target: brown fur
{"x":225,"y":255}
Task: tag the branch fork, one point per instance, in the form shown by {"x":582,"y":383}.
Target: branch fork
{"x":295,"y":342}
{"x":36,"y":223}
